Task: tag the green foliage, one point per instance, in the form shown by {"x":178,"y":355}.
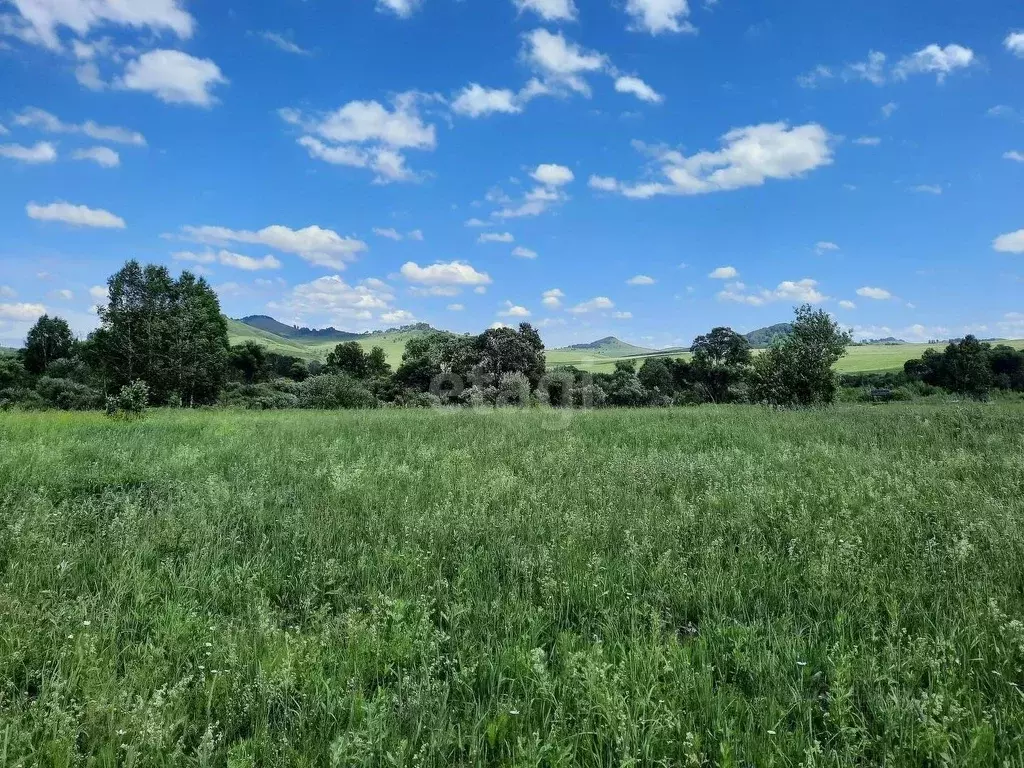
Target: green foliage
{"x":68,"y":395}
{"x":721,"y":363}
{"x":249,"y":361}
{"x":348,"y":358}
{"x":130,"y":403}
{"x":698,"y":587}
{"x":970,"y":367}
{"x":798,"y":369}
{"x":329,"y":391}
{"x":50,"y":339}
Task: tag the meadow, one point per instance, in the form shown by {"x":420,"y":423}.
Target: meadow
{"x":669,"y":587}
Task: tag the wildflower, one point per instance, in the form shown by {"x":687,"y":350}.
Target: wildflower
{"x":801,"y":663}
{"x":771,"y":733}
{"x":513,"y":711}
{"x":86,"y":623}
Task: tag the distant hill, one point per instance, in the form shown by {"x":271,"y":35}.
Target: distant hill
{"x":314,"y":344}
{"x":887,"y":341}
{"x":764,"y":337}
{"x":610,"y":346}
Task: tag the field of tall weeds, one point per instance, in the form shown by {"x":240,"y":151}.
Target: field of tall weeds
{"x":719,"y":586}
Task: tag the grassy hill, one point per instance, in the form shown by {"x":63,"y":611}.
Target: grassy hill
{"x":315,"y":346}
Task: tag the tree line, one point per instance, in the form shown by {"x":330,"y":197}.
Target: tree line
{"x":165,"y":341}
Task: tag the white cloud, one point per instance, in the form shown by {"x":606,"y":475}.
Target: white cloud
{"x":21,"y":312}
{"x":322,"y":247}
{"x":75,"y":215}
{"x":398,"y":316}
{"x":867,"y":141}
{"x":749,"y":156}
{"x":878,"y":294}
{"x":889,"y":109}
{"x":3,"y":130}
{"x":389,"y":233}
{"x":416,"y":234}
{"x":284,"y":44}
{"x":332,"y":299}
{"x":932,"y":58}
{"x":622,"y":315}
{"x":552,"y":175}
{"x":1014,"y":155}
{"x":497,"y":325}
{"x":248,"y":263}
{"x":871,"y":69}
{"x":99,"y":293}
{"x":476,"y":101}
{"x":847,"y":304}
{"x":595,"y":304}
{"x":1014,"y":43}
{"x":823,"y":247}
{"x":724,"y":273}
{"x":803,"y":291}
{"x":174,"y":77}
{"x":44,"y":17}
{"x":641,"y":280}
{"x":1012,"y":242}
{"x":815,"y":77}
{"x":42,"y":152}
{"x":549,"y":10}
{"x":928,"y":189}
{"x":33,"y":117}
{"x":66,"y":294}
{"x":366,"y":134}
{"x":603,"y":183}
{"x":513,"y":310}
{"x":656,"y":16}
{"x":403,"y":9}
{"x":456,"y":307}
{"x":496,"y":237}
{"x":450,"y":273}
{"x":477,"y":223}
{"x":103,"y":156}
{"x":560,"y":62}
{"x":637,"y":87}
{"x":524,"y":253}
{"x":553,"y":298}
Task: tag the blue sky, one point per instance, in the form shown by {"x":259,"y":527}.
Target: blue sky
{"x":642,"y":168}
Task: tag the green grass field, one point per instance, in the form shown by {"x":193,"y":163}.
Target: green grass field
{"x":687,"y":587}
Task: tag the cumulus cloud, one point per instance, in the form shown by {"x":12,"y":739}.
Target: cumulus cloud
{"x":39,"y":20}
{"x":318,"y":246}
{"x":622,"y":315}
{"x":513,"y":310}
{"x":933,"y":59}
{"x":748,"y":157}
{"x":174,"y":77}
{"x":1014,"y":43}
{"x":553,"y":298}
{"x":802,"y":291}
{"x":1012,"y":242}
{"x":103,"y":156}
{"x":398,"y":316}
{"x":229,"y":259}
{"x":889,"y":109}
{"x":815,"y":77}
{"x":99,"y":292}
{"x":389,"y":233}
{"x":593,"y":305}
{"x":549,"y":10}
{"x":641,"y":280}
{"x":21,"y":312}
{"x":872,"y":69}
{"x":403,"y":9}
{"x":637,"y":87}
{"x":847,"y":304}
{"x":724,"y":273}
{"x":333,"y":300}
{"x":476,"y":101}
{"x":367,"y":134}
{"x":41,"y":152}
{"x":552,"y":175}
{"x":561,"y":64}
{"x":657,"y":16}
{"x":444,"y":273}
{"x":878,"y":294}
{"x":496,"y":237}
{"x":33,"y":117}
{"x":823,"y":247}
{"x":524,"y":253}
{"x":75,"y":215}
{"x":1014,"y":155}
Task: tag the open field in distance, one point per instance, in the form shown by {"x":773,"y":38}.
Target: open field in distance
{"x":690,"y":586}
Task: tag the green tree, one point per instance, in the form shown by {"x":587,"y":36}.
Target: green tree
{"x":721,"y":361}
{"x":249,"y":360}
{"x":798,"y":368}
{"x":656,"y":374}
{"x":377,"y":365}
{"x":348,"y":358}
{"x":48,"y":340}
{"x":199,"y":343}
{"x":966,"y":369}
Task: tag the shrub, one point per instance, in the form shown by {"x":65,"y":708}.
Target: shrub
{"x":68,"y":395}
{"x":130,"y":402}
{"x":331,"y":391}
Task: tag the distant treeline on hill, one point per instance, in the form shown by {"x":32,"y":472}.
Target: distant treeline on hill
{"x":269,"y":324}
{"x":165,"y":341}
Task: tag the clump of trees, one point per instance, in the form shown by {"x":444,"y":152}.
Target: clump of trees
{"x":163,"y":342}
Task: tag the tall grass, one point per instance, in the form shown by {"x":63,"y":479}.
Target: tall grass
{"x":688,"y":587}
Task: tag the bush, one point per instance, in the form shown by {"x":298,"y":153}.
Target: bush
{"x":330,"y":391}
{"x":130,"y":402}
{"x":259,"y":397}
{"x":67,"y":395}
